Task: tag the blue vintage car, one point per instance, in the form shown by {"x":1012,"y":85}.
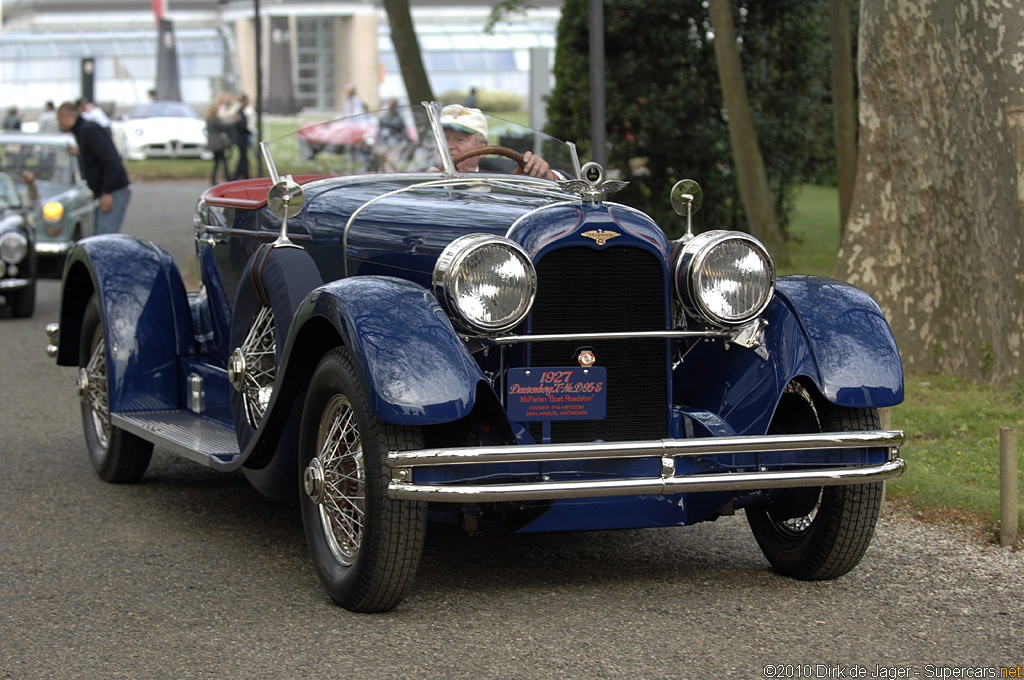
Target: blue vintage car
{"x":491,"y":350}
{"x":17,"y":251}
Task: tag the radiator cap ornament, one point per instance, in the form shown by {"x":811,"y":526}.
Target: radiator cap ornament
{"x":593,"y":186}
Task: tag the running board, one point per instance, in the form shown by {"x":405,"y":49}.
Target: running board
{"x":185,"y":434}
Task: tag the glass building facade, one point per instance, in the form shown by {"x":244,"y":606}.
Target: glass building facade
{"x":43,"y":43}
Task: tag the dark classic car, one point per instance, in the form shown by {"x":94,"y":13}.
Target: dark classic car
{"x":17,"y":251}
{"x":64,"y":210}
{"x":493,"y":351}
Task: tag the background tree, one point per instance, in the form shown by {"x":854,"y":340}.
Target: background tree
{"x":935,"y":231}
{"x":749,"y":164}
{"x":844,"y":105}
{"x":665,"y":109}
{"x":407,"y":49}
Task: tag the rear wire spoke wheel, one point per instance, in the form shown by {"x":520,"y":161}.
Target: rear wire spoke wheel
{"x":116,"y":455}
{"x":259,"y":361}
{"x":365,"y":546}
{"x":817,"y":533}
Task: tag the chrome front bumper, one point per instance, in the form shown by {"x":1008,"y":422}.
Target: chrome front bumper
{"x":14,"y":284}
{"x":402,"y":464}
{"x":54,"y":247}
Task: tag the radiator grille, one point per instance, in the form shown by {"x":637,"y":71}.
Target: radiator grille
{"x":581,"y":290}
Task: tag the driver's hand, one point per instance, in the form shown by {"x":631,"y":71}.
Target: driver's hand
{"x":535,"y":166}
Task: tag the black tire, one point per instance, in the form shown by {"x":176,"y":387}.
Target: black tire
{"x":23,"y":303}
{"x":118,"y":456}
{"x":371,"y":568}
{"x":821,"y":533}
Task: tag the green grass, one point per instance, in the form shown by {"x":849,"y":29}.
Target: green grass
{"x":813,"y":231}
{"x":952,"y":448}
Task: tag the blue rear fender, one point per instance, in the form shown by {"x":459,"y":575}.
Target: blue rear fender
{"x":145,"y":313}
{"x":822,"y":331}
{"x":413,"y":365}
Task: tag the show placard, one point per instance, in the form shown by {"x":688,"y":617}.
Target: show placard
{"x":572,"y":393}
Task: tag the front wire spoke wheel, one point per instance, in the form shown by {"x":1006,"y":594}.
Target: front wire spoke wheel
{"x":116,"y":455}
{"x":365,"y":545}
{"x":817,"y":533}
{"x":340,"y":452}
{"x":93,"y":389}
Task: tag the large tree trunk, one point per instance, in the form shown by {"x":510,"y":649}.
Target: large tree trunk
{"x":750,"y":170}
{"x":844,"y":106}
{"x":407,"y":49}
{"x":935,"y":233}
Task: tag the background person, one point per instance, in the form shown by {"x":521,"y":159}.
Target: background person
{"x":241,"y":138}
{"x":101,"y":166}
{"x":220,"y":122}
{"x":392,"y":136}
{"x":90,"y":111}
{"x":48,"y":119}
{"x":353,"y":103}
{"x":12,"y":121}
{"x":466,"y":128}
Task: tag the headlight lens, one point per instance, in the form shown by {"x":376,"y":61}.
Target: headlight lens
{"x":726,"y":277}
{"x":487,"y":283}
{"x":52,"y":211}
{"x":13,"y":247}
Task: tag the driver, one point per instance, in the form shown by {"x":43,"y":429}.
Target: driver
{"x":466,"y":129}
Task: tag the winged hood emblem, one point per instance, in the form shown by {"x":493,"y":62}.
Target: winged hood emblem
{"x":593,"y":186}
{"x":600,"y":235}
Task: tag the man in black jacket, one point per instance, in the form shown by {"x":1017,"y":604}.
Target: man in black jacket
{"x":101,"y":166}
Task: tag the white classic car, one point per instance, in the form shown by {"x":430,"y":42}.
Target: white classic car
{"x":161,"y":130}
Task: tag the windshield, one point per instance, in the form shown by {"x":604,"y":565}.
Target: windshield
{"x":8,"y":192}
{"x":47,"y":162}
{"x":406,"y":139}
{"x":163,"y":110}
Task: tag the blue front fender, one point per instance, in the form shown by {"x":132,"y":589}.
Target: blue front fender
{"x":145,"y":314}
{"x":825,"y":331}
{"x":415,"y":368}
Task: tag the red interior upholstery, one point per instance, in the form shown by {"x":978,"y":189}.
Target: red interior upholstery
{"x":246,"y":193}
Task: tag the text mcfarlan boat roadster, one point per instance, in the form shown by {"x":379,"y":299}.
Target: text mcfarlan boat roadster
{"x":490,"y":350}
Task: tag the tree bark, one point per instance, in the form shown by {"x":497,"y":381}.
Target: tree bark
{"x":407,"y":49}
{"x":844,"y":106}
{"x":935,"y":232}
{"x":753,"y":178}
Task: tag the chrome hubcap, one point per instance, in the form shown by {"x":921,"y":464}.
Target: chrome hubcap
{"x":337,"y":476}
{"x":254,"y":364}
{"x":313,"y":481}
{"x":236,"y":369}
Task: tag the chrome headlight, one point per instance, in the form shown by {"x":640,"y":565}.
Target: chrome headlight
{"x":487,"y":283}
{"x":726,"y":277}
{"x":13,"y":247}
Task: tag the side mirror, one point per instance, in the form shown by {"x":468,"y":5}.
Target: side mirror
{"x":285,"y":199}
{"x":686,"y":198}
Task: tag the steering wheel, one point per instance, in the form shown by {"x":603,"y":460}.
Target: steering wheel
{"x":496,"y":150}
